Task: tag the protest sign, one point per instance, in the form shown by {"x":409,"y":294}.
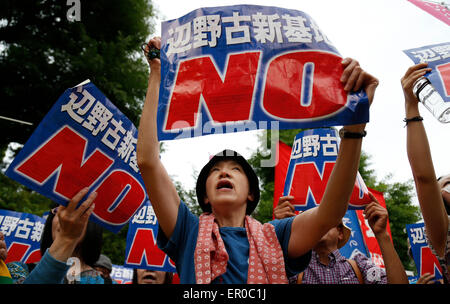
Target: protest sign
{"x":282,"y":164}
{"x":438,"y":58}
{"x":312,"y":160}
{"x":369,"y":237}
{"x":84,"y":141}
{"x":355,"y":244}
{"x":246,"y":67}
{"x":438,"y":10}
{"x":141,"y":249}
{"x":362,"y":239}
{"x":425,"y":260}
{"x":22,"y":233}
{"x":121,"y":274}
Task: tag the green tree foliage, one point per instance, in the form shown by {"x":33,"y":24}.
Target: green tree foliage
{"x":189,"y":197}
{"x":398,"y":196}
{"x":42,"y":54}
{"x":16,"y":197}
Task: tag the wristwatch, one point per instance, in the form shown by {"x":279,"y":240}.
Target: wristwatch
{"x":343,"y":133}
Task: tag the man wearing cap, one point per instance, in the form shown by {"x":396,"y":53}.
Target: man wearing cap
{"x":328,"y":266}
{"x":104,"y":266}
{"x":226,"y":245}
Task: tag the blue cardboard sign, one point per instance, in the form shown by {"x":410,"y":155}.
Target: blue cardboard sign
{"x":355,"y":243}
{"x":141,"y":248}
{"x":313,"y":156}
{"x":246,"y":67}
{"x":438,"y":58}
{"x":121,"y":274}
{"x":22,"y":232}
{"x":425,"y":260}
{"x":84,"y":141}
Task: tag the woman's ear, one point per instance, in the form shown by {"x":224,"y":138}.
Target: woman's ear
{"x":250,"y":197}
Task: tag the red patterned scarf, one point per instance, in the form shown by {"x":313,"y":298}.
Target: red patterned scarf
{"x":266,"y":262}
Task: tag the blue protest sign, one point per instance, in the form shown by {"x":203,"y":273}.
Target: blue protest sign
{"x":121,"y":274}
{"x":355,"y":243}
{"x":425,"y":260}
{"x":438,"y":58}
{"x":141,"y":249}
{"x":246,"y":67}
{"x":84,"y":141}
{"x":313,"y":156}
{"x":22,"y":232}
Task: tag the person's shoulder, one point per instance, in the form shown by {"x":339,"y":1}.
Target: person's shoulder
{"x":284,"y":221}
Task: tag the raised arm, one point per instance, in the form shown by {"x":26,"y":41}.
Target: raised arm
{"x":377,"y":217}
{"x":160,"y":188}
{"x":419,"y":155}
{"x":308,"y":227}
{"x":68,"y":229}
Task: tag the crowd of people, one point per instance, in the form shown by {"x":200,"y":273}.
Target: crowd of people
{"x":225,"y":244}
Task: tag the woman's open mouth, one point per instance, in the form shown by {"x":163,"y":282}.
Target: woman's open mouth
{"x":224,"y":184}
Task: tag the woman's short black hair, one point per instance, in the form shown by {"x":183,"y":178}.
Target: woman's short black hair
{"x":89,"y":248}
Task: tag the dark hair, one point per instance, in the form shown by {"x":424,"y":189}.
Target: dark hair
{"x":168,"y":278}
{"x":253,"y":180}
{"x":89,"y":248}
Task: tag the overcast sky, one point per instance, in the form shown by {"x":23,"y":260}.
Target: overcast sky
{"x":374,"y":32}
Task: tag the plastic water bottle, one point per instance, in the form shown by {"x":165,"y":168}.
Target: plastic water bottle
{"x":431,"y":99}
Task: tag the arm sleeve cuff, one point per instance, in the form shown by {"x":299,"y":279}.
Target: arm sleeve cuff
{"x":47,"y":271}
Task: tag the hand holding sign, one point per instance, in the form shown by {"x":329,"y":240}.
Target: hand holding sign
{"x":284,"y":208}
{"x":71,"y":225}
{"x":377,"y":216}
{"x":427,"y":278}
{"x":154,"y":43}
{"x":355,"y":78}
{"x":237,"y":73}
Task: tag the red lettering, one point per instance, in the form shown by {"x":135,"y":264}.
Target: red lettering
{"x":16,"y":252}
{"x":306,"y":178}
{"x":34,"y":256}
{"x":64,"y":153}
{"x":228,"y":99}
{"x":444,"y":73}
{"x":359,"y":196}
{"x":428,"y":262}
{"x":118,"y":197}
{"x":144,"y":244}
{"x":284,"y":95}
